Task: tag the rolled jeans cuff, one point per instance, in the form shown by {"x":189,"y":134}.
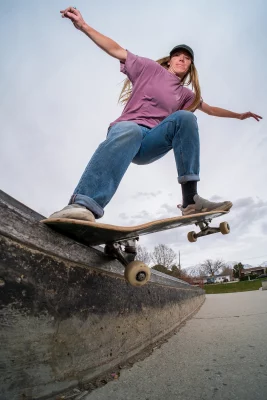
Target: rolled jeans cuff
{"x":187,"y":178}
{"x":89,"y":203}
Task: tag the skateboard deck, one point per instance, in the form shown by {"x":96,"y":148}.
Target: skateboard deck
{"x":121,"y":241}
{"x":95,"y":233}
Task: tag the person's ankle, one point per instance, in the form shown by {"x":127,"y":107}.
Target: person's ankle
{"x":189,"y":190}
{"x":188,"y":201}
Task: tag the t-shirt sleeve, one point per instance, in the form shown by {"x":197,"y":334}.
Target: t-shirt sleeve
{"x":135,"y":65}
{"x":189,"y":100}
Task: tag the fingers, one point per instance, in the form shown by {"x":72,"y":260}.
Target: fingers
{"x":71,"y":9}
{"x":68,"y":11}
{"x":256,"y":117}
{"x":251,"y":115}
{"x":71,"y":16}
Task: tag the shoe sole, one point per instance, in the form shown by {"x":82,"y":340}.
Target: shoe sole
{"x":225,"y":207}
{"x":78,"y":215}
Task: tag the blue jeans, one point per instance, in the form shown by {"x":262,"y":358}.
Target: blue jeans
{"x":128,"y":142}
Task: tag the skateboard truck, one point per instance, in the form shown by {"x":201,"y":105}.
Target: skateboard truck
{"x":114,"y":249}
{"x":205,"y":229}
{"x":136,"y":272}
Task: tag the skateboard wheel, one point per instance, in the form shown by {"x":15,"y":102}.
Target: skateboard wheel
{"x":137,"y":273}
{"x":192,"y":236}
{"x":224,"y":228}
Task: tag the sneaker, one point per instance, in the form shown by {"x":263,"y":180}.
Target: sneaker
{"x":74,"y":211}
{"x":202,"y":205}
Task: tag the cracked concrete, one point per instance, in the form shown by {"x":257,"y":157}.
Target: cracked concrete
{"x":221,"y":354}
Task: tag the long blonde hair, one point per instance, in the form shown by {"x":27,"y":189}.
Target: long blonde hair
{"x":191,"y":78}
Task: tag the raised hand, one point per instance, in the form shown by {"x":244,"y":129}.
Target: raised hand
{"x":74,"y":15}
{"x":250,"y":115}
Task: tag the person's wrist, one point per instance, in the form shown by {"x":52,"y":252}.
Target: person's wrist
{"x":83,"y":26}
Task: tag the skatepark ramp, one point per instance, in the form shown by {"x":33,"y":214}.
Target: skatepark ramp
{"x":67,"y":316}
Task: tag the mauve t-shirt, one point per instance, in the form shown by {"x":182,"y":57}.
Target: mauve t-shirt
{"x":156,"y":92}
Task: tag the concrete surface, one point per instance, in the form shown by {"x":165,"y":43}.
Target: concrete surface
{"x":220,"y":354}
{"x":67,"y":315}
{"x":21,"y":223}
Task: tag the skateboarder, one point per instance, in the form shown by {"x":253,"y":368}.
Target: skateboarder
{"x":158,"y":116}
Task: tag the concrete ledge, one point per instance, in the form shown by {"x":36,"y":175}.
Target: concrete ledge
{"x":67,"y":314}
{"x":264,"y":285}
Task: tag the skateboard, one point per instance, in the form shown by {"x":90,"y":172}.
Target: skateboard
{"x":120,"y":241}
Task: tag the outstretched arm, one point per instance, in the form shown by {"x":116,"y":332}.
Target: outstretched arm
{"x":105,"y":43}
{"x":221,"y":112}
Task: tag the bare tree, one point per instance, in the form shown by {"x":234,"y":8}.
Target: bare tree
{"x":163,"y":255}
{"x":143,"y":255}
{"x":195,"y":271}
{"x":210,"y":267}
{"x":227,"y":270}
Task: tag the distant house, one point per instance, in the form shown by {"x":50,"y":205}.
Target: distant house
{"x":226,"y":278}
{"x":254,"y":271}
{"x":216,"y":279}
{"x":222,"y":278}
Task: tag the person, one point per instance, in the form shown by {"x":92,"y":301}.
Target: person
{"x":158,"y":116}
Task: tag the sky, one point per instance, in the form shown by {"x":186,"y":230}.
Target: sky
{"x":59,"y":92}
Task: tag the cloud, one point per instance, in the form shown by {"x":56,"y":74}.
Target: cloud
{"x":246,"y":213}
{"x":147,"y":195}
{"x":264,"y":227}
{"x":143,"y":215}
{"x":244,"y":202}
{"x":216,"y":198}
{"x":263,"y":143}
{"x":172,"y":211}
{"x":123,"y":216}
{"x":139,"y":218}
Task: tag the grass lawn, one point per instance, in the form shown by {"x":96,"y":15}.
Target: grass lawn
{"x":232,"y":287}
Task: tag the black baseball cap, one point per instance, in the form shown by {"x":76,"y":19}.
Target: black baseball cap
{"x":182,"y":47}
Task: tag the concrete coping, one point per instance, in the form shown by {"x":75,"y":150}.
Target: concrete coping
{"x":21,"y":223}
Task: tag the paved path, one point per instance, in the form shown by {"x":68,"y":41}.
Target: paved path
{"x":221,"y":353}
